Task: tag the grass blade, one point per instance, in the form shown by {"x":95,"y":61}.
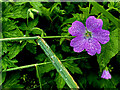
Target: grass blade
{"x":57,"y":63}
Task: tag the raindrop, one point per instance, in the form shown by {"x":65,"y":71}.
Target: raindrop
{"x":105,"y":41}
{"x":89,"y":40}
{"x":92,"y":47}
{"x":60,"y":70}
{"x":95,"y":48}
{"x":52,"y":57}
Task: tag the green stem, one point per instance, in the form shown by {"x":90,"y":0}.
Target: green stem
{"x":32,"y":65}
{"x":39,"y":76}
{"x":35,"y":37}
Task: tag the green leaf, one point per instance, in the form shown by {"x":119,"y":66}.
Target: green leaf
{"x":3,"y":77}
{"x":73,"y":68}
{"x":107,"y":14}
{"x":108,"y":50}
{"x":8,"y":25}
{"x":33,"y":23}
{"x":13,"y":33}
{"x":4,"y":47}
{"x":13,"y":82}
{"x":45,"y":11}
{"x":46,"y":68}
{"x":67,"y":21}
{"x":7,"y":63}
{"x":15,"y":11}
{"x":41,"y":57}
{"x":102,"y":83}
{"x":85,"y":11}
{"x":65,"y":48}
{"x":59,"y":81}
{"x":31,"y":47}
{"x":37,"y":6}
{"x":15,"y":49}
{"x":94,"y":11}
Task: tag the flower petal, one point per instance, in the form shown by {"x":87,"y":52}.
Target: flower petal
{"x":77,"y":28}
{"x":92,"y":46}
{"x":101,"y":35}
{"x":92,"y":23}
{"x":78,"y":43}
{"x":106,"y":75}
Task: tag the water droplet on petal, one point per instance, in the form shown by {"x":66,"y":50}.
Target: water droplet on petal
{"x":95,"y":48}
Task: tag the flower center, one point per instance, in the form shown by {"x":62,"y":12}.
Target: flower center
{"x":88,"y":34}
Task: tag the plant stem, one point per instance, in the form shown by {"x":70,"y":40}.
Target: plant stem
{"x":35,"y":37}
{"x":28,"y":66}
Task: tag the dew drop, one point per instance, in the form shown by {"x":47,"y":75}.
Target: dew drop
{"x":105,"y":41}
{"x":52,"y":57}
{"x":95,"y":48}
{"x":92,"y":47}
{"x":65,"y":78}
{"x":60,"y":70}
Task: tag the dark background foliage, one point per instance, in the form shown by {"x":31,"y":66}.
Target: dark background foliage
{"x":54,"y":19}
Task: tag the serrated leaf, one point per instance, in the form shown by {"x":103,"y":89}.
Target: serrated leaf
{"x":8,"y":25}
{"x":33,"y":23}
{"x":73,"y":68}
{"x":59,"y":81}
{"x":94,"y":11}
{"x":37,"y":6}
{"x":19,"y":3}
{"x":46,"y":68}
{"x":13,"y":33}
{"x":15,"y":11}
{"x":108,"y":50}
{"x":65,"y":48}
{"x":15,"y":49}
{"x":70,"y":20}
{"x":85,"y":11}
{"x":13,"y":82}
{"x":41,"y":57}
{"x":23,"y":26}
{"x":7,"y":63}
{"x":3,"y":76}
{"x":31,"y":47}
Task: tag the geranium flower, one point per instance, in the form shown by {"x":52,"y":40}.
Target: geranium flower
{"x":106,"y":74}
{"x":88,"y":37}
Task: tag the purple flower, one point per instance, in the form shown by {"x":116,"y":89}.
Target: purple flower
{"x":106,"y":75}
{"x":88,"y":37}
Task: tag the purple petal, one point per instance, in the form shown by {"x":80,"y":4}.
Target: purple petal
{"x":78,"y":43}
{"x":106,"y":75}
{"x":101,"y":35}
{"x":77,"y":28}
{"x":92,"y":46}
{"x":92,"y":23}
